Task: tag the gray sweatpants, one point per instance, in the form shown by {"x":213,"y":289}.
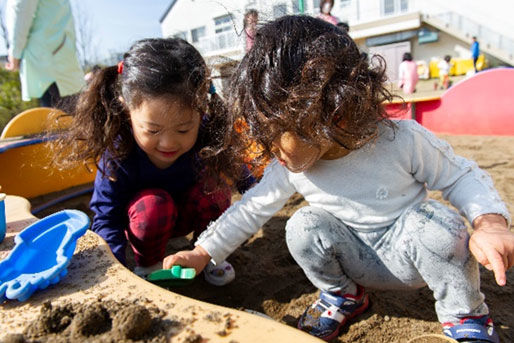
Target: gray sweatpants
{"x":427,"y":245}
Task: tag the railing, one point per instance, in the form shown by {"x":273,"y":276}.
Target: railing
{"x":490,"y":38}
{"x":438,"y":10}
{"x":219,"y":42}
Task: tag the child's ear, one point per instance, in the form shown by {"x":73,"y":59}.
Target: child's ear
{"x":123,"y":102}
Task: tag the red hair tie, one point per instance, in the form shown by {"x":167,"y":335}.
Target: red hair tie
{"x":120,"y":67}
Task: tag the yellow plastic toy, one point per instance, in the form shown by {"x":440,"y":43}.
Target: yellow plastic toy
{"x":25,"y":157}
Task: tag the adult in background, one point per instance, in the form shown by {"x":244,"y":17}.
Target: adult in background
{"x":325,"y":7}
{"x":42,"y":47}
{"x":475,"y":52}
{"x":408,"y":74}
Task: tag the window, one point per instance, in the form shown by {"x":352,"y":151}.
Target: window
{"x":388,"y":7}
{"x":181,"y":34}
{"x":279,"y":10}
{"x":345,"y":3}
{"x":225,"y":33}
{"x":404,"y":5}
{"x":296,"y":6}
{"x":223,"y":23}
{"x":315,"y":6}
{"x":197,"y":33}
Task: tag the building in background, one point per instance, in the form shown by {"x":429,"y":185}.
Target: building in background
{"x":428,"y":30}
{"x":215,"y":28}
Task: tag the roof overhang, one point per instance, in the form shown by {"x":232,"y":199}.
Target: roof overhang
{"x":165,"y":14}
{"x":383,"y":26}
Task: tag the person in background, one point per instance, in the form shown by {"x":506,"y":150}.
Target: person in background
{"x":325,"y":9}
{"x":250,"y":21}
{"x":42,"y":47}
{"x":408,"y":74}
{"x":475,"y":52}
{"x":444,"y":72}
{"x":317,"y":107}
{"x":153,"y":124}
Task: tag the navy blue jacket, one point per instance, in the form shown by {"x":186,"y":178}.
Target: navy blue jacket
{"x":136,"y":172}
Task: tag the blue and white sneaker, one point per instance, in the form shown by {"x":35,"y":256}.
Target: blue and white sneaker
{"x":325,"y":317}
{"x":472,"y":329}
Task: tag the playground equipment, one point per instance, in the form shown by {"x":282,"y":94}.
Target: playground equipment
{"x":479,"y":105}
{"x":26,"y":159}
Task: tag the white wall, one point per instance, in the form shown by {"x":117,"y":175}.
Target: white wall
{"x":446,"y":45}
{"x":188,"y":14}
{"x":497,"y":15}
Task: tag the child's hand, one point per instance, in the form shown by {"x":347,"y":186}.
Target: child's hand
{"x":196,"y":258}
{"x":492,"y":244}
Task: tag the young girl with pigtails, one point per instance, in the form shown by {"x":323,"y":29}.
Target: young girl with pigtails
{"x":154,"y":126}
{"x":315,"y":106}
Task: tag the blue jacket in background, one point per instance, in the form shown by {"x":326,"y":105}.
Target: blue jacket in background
{"x":475,"y":49}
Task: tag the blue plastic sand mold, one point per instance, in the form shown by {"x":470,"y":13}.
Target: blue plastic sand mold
{"x":3,"y":223}
{"x":41,"y":255}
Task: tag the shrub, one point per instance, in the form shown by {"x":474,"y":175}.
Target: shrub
{"x":10,"y":97}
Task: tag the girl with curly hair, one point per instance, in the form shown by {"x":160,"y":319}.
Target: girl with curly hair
{"x":314,"y":103}
{"x":153,"y":125}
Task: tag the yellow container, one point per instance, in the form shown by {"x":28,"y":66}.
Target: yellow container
{"x":460,"y":66}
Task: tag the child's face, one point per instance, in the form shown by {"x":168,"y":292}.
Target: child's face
{"x":298,"y":155}
{"x":251,"y":20}
{"x":164,"y":129}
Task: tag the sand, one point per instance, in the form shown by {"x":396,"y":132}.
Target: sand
{"x":98,"y":321}
{"x":269,"y":281}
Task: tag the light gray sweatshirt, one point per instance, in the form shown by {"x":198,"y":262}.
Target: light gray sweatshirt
{"x":367,"y":189}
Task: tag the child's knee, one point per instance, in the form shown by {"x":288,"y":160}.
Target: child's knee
{"x":204,"y":201}
{"x":304,"y":227}
{"x":151,"y":210}
{"x":440,"y":231}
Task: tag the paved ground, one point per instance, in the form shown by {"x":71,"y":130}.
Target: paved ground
{"x":425,"y":88}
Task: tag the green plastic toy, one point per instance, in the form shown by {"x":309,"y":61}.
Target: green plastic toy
{"x":174,"y":277}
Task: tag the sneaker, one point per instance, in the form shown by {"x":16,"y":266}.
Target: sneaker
{"x":219,"y":275}
{"x":472,"y":329}
{"x":330,"y":312}
{"x":143,"y":272}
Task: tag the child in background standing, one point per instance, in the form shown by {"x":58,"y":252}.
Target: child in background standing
{"x":154,"y":127}
{"x":444,"y":72}
{"x":408,"y":74}
{"x":314,"y":103}
{"x":250,"y":27}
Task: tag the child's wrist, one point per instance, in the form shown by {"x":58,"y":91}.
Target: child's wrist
{"x":490,"y":220}
{"x":202,"y":254}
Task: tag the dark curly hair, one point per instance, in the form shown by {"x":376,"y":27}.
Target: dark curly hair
{"x":152,"y":68}
{"x":307,"y":76}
